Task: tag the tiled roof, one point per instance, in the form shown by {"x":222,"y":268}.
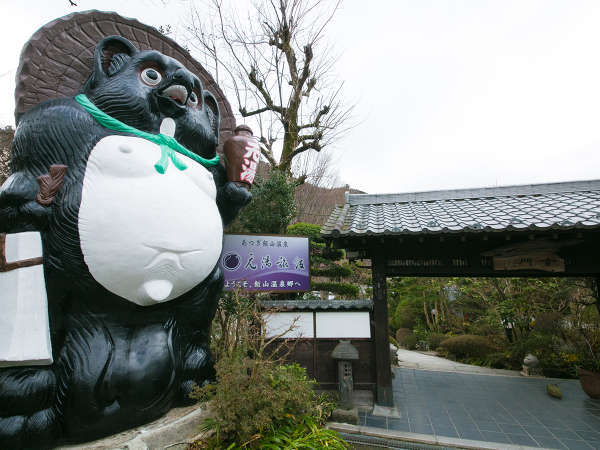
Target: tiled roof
{"x":559,"y":206}
{"x":318,"y":304}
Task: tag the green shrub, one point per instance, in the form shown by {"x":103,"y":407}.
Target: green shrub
{"x":434,"y":340}
{"x":305,"y":434}
{"x":253,"y":397}
{"x":316,"y":260}
{"x":537,"y":344}
{"x":409,"y":341}
{"x":499,"y":360}
{"x":468,"y":346}
{"x":344,"y":289}
{"x":548,"y":322}
{"x":406,"y":316}
{"x":482,"y":327}
{"x":333,"y":271}
{"x":305,"y":229}
{"x":255,"y":392}
{"x":401,"y":333}
{"x":334,"y":254}
{"x":272,"y":207}
{"x":317,"y":246}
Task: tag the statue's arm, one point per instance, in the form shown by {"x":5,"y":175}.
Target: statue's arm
{"x":230,"y":197}
{"x":19,"y":210}
{"x":47,"y":140}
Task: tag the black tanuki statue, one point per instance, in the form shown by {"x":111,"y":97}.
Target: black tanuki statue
{"x":126,"y":189}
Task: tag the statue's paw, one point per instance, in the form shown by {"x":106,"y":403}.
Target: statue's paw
{"x":28,"y":413}
{"x":237,"y":195}
{"x":199,"y":370}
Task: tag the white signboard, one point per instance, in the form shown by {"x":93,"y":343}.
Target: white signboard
{"x":347,"y":324}
{"x":278,"y":322}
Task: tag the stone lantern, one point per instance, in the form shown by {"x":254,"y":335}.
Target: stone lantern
{"x":345,"y":353}
{"x":530,"y":366}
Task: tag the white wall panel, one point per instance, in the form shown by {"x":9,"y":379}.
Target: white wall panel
{"x":278,"y":322}
{"x":346,"y":324}
{"x":24,"y":329}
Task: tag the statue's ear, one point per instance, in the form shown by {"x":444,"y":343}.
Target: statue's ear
{"x":212,"y":109}
{"x":110,"y":56}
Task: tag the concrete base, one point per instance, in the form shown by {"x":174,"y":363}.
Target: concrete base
{"x":361,"y":399}
{"x":389,"y":411}
{"x":345,"y":416}
{"x":175,"y":430}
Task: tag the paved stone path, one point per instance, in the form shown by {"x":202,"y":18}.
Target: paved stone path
{"x":439,"y":397}
{"x":492,"y":408}
{"x":418,"y":360}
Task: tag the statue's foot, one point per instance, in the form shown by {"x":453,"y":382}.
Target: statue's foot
{"x":199,"y":370}
{"x":28,"y":410}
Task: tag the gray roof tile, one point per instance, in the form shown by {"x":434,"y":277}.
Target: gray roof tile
{"x":542,"y":206}
{"x":317,"y":304}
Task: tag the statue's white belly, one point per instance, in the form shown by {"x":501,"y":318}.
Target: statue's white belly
{"x":145,"y":236}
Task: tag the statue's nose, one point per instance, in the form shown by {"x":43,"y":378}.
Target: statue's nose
{"x":185,"y":78}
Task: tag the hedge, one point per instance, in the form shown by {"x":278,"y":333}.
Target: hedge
{"x":306,"y":229}
{"x":468,"y":346}
{"x":345,"y":289}
{"x":333,"y":271}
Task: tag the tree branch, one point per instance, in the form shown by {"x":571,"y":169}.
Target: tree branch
{"x":317,"y":135}
{"x":266,"y":96}
{"x":245,"y":113}
{"x":315,"y":123}
{"x":314,"y":145}
{"x":267,"y":151}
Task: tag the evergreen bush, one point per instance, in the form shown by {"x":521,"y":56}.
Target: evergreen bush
{"x":258,"y":398}
{"x":344,"y":289}
{"x":434,"y":340}
{"x":409,"y":341}
{"x":272,"y":207}
{"x":253,"y":396}
{"x":324,"y":263}
{"x":468,"y":346}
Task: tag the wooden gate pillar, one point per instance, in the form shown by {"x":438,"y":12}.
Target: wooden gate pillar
{"x":382,"y":341}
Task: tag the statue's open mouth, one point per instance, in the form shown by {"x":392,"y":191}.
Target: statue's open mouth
{"x":177,"y":93}
{"x":173,"y":99}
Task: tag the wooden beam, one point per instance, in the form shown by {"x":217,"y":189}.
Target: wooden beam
{"x":383,"y":366}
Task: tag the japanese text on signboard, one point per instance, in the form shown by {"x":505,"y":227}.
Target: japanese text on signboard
{"x":265,"y":263}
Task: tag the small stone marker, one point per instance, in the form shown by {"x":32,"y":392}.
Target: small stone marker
{"x":345,"y":353}
{"x":553,"y":391}
{"x":530,"y":366}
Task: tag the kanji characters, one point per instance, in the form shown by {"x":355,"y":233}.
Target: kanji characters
{"x":282,"y":262}
{"x":250,"y":162}
{"x":266,"y":262}
{"x":250,"y":264}
{"x":299,"y":263}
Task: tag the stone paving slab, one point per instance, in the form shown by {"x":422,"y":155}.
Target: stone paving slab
{"x":498,"y":409}
{"x":426,"y":361}
{"x":405,"y":439}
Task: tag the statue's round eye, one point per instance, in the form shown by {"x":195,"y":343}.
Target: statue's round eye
{"x":151,"y":76}
{"x":193,"y":100}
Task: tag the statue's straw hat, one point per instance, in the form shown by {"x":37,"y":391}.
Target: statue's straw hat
{"x":57,"y":59}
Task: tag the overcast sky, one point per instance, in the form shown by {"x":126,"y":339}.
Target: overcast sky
{"x":449,"y":94}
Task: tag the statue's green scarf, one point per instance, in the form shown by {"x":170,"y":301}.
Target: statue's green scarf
{"x":168,"y":145}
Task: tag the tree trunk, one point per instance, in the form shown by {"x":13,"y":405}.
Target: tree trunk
{"x":596,"y":291}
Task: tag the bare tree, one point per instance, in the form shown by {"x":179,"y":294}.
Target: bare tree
{"x":6,"y":136}
{"x":277,"y":65}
